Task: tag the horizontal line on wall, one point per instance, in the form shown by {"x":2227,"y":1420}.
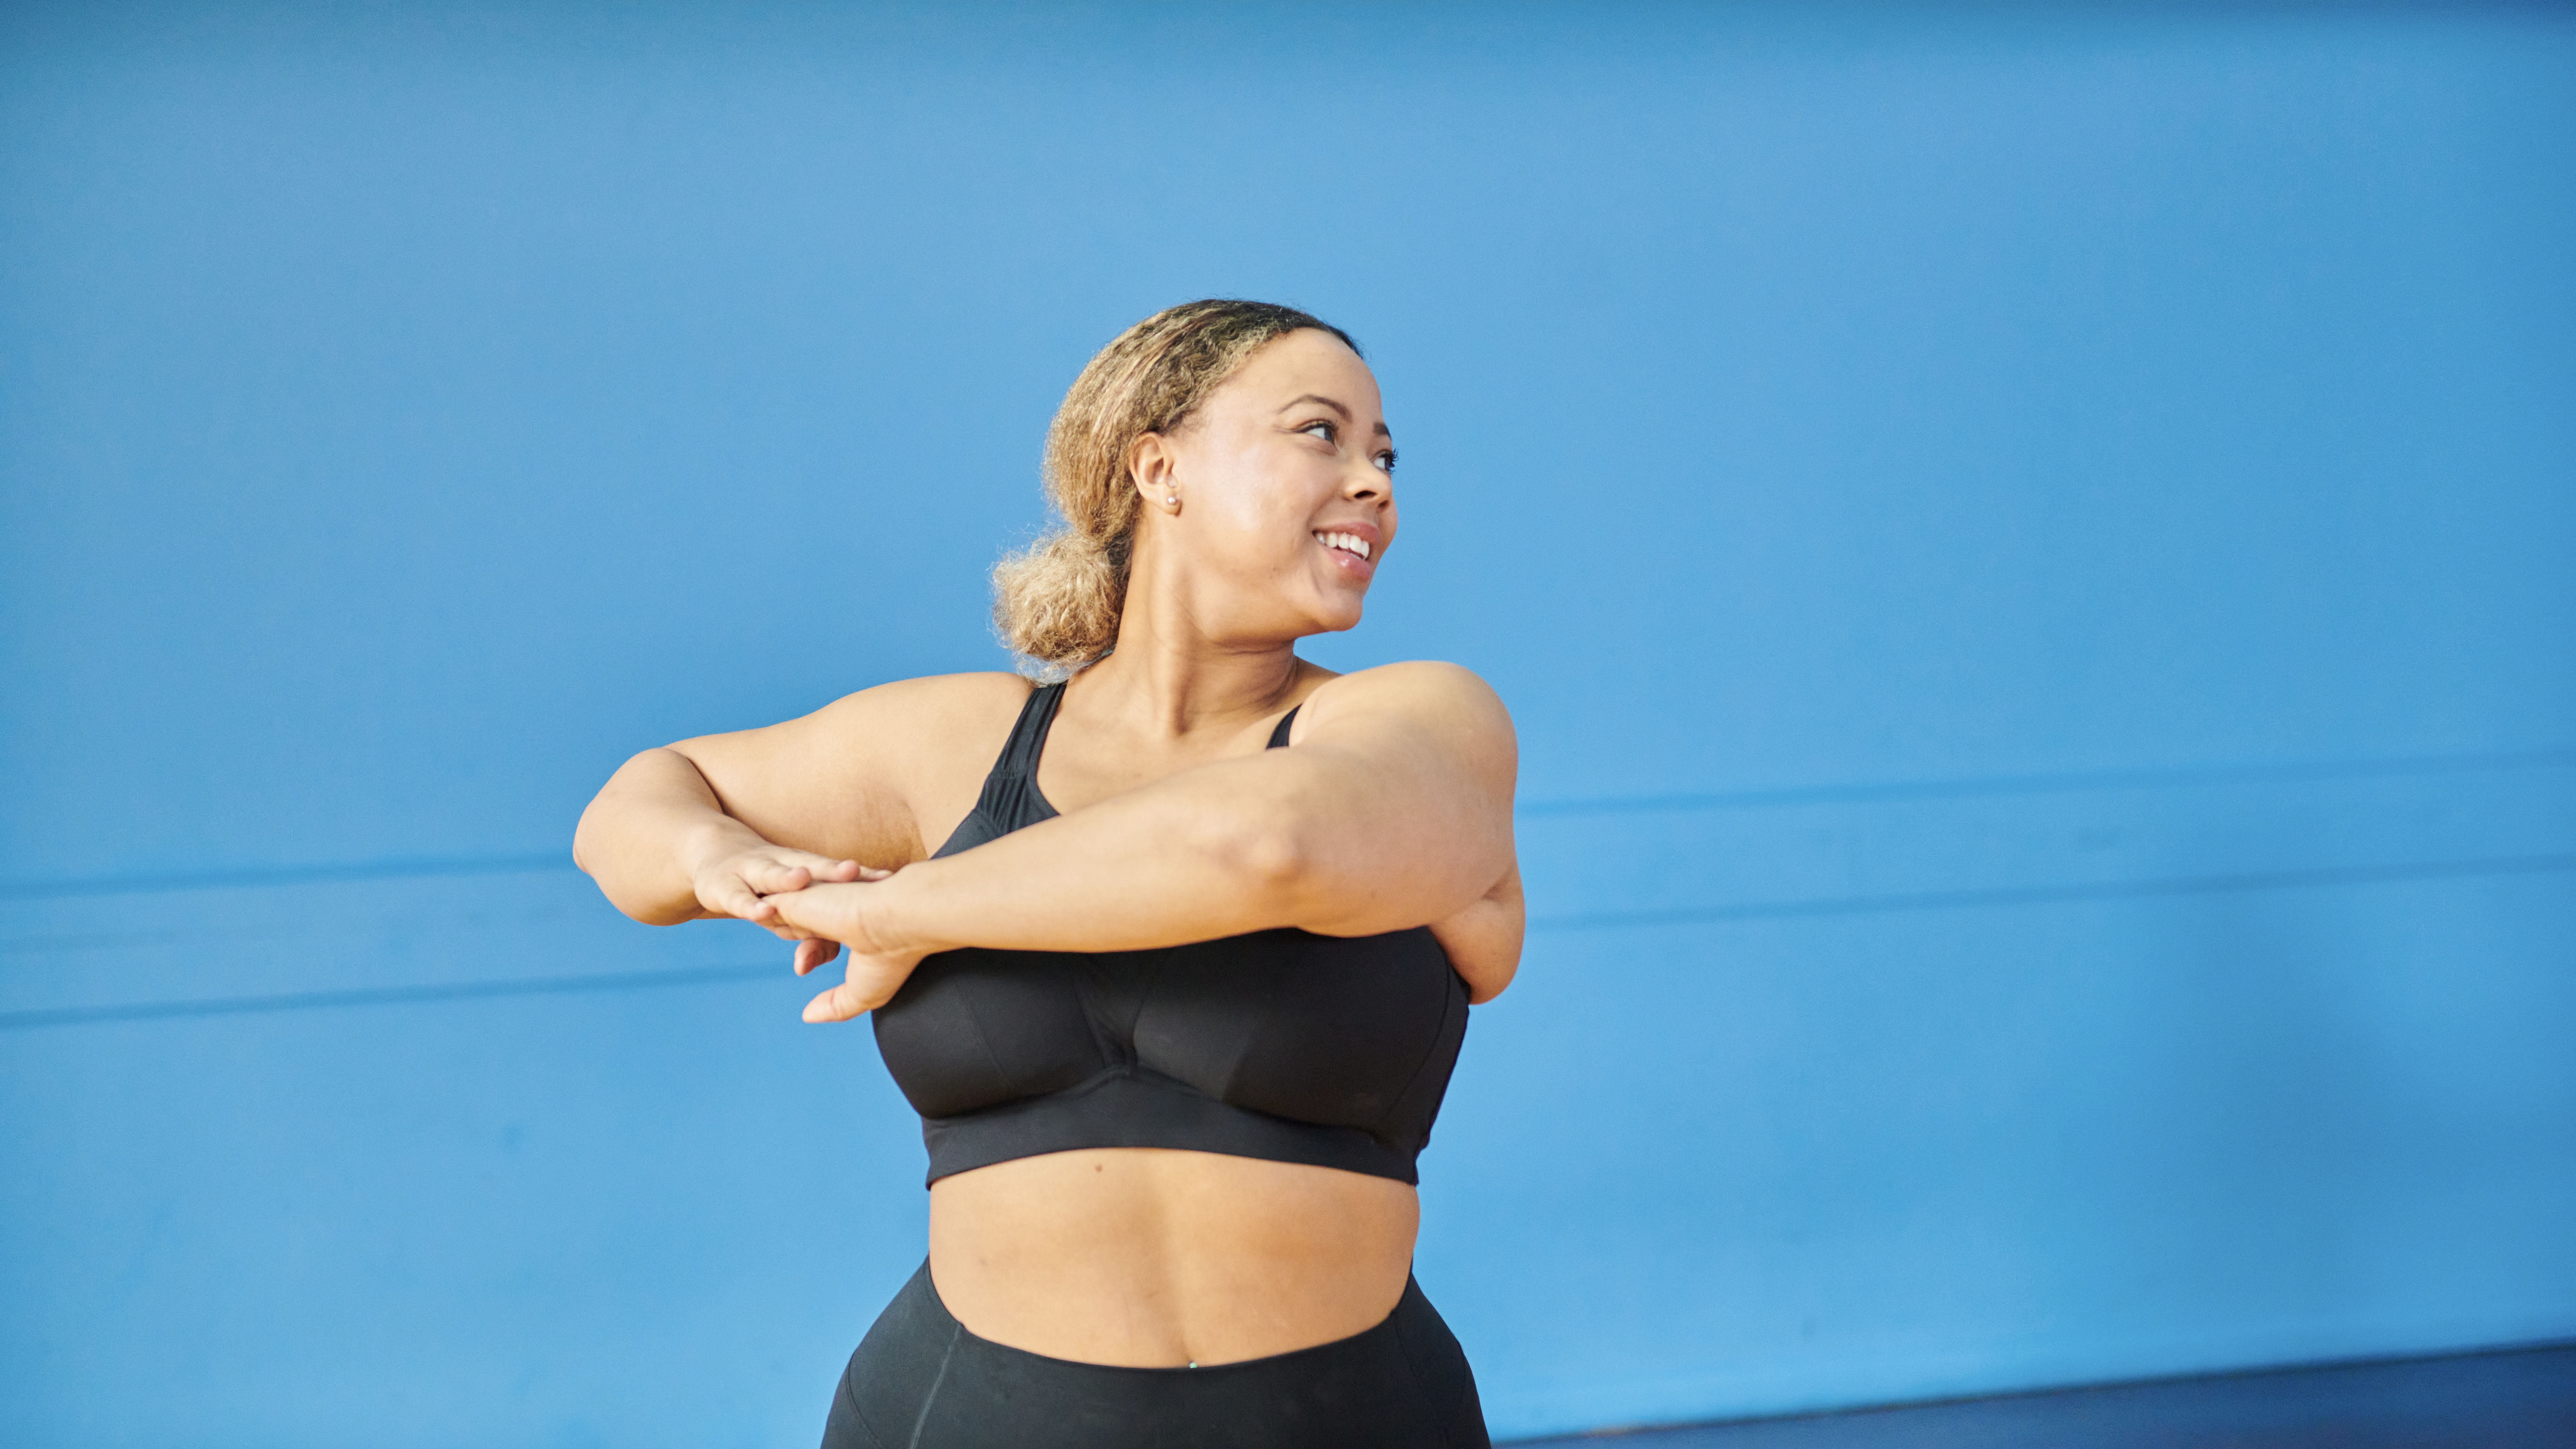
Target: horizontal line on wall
{"x":379,"y":996}
{"x":1772,"y":910}
{"x":2048,"y":784}
{"x":290,"y":875}
{"x":507,"y":864}
{"x":2048,"y":895}
{"x":2170,"y":1388}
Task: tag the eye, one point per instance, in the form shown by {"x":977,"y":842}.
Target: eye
{"x":1386,"y":462}
{"x":1321,"y":428}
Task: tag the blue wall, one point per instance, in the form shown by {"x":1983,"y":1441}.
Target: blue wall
{"x":2030,"y":551}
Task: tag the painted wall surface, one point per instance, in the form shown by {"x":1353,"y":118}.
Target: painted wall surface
{"x":2031,"y":552}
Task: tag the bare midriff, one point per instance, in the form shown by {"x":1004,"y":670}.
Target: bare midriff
{"x":1151,"y":1258}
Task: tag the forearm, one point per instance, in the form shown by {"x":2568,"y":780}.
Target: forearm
{"x":648,"y":832}
{"x":1216,"y":851}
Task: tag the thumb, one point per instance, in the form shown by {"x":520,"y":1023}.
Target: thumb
{"x":841,"y":1003}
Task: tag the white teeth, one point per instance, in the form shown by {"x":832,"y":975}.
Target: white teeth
{"x":1346,"y":541}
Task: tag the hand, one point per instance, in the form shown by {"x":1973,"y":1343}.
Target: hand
{"x":823,"y":918}
{"x":738,"y":884}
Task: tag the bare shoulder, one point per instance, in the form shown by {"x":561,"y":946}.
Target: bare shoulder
{"x":883,"y":721}
{"x":871,"y":775}
{"x":921,"y":731}
{"x":1433,"y":692}
{"x":932,"y":703}
{"x":1423,"y":711}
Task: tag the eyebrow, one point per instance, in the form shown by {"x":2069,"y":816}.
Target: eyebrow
{"x":1317,"y":397}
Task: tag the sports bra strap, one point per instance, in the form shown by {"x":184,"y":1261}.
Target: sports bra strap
{"x":1020,"y":753}
{"x":1019,"y":757}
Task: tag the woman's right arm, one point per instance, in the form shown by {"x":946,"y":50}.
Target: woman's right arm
{"x":658,"y":841}
{"x":707,"y":826}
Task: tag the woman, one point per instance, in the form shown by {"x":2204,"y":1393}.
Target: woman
{"x":1173,"y":957}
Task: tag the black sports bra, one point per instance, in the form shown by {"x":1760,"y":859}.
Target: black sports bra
{"x":1327,"y":1050}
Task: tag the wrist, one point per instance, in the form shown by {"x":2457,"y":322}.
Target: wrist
{"x":705,"y":843}
{"x":903,"y":911}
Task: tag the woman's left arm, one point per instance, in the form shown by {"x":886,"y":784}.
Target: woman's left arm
{"x":1483,"y":942}
{"x":1393,"y":810}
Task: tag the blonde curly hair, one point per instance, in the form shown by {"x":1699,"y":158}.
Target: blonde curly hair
{"x":1058,"y":602}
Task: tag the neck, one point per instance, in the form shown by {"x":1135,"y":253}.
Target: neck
{"x":1174,"y":676}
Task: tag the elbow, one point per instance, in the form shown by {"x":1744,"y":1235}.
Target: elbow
{"x":588,"y":856}
{"x":1278,"y":863}
{"x":1266,"y":858}
{"x":593,"y":843}
{"x":643,"y":906}
{"x":655,"y":913}
{"x":595,"y":854}
{"x":1486,"y":981}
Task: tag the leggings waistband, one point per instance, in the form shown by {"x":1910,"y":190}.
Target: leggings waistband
{"x":921,"y":1380}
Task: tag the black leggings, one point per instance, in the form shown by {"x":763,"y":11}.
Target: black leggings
{"x":921,"y":1381}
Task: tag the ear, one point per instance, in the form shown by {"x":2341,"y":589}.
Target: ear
{"x":1154,"y":468}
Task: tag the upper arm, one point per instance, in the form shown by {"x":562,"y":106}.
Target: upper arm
{"x":1407,"y":811}
{"x":867,"y":776}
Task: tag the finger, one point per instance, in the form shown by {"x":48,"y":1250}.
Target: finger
{"x":784,"y":908}
{"x":816,"y":868}
{"x":815,"y":952}
{"x":826,"y":872}
{"x":841,"y":1003}
{"x":770,"y":877}
{"x":818,"y":908}
{"x":796,"y":917}
{"x":733,"y":896}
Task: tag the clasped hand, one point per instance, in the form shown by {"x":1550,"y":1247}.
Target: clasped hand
{"x":822,"y":905}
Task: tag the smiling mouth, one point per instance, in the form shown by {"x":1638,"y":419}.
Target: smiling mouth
{"x":1347,"y":543}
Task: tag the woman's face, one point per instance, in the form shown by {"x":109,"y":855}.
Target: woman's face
{"x":1286,"y":489}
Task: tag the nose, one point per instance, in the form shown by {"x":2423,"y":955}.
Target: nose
{"x":1366,"y":483}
